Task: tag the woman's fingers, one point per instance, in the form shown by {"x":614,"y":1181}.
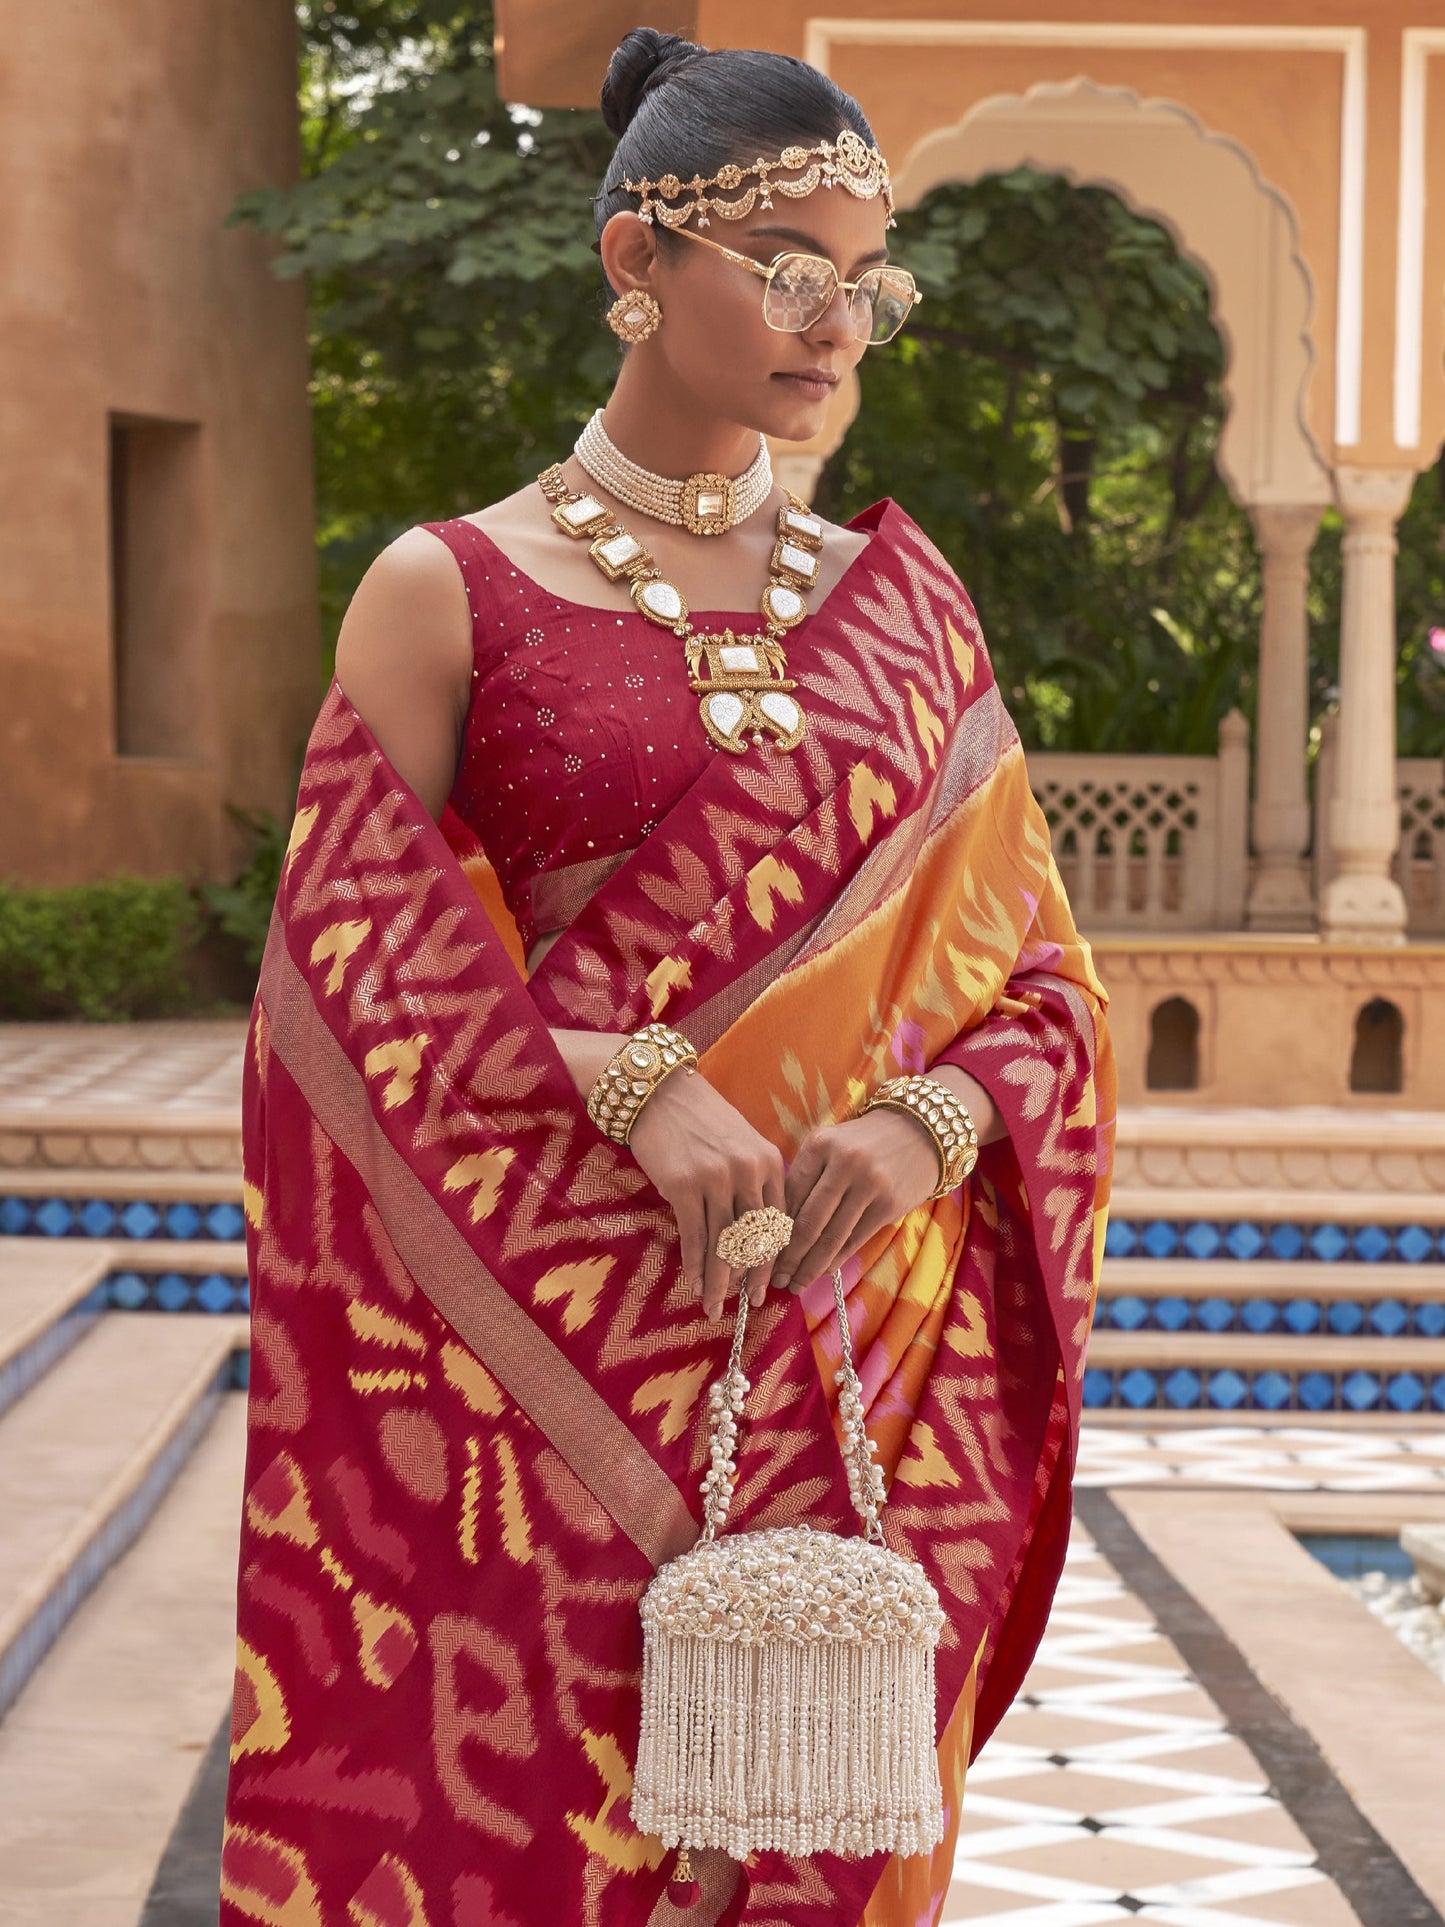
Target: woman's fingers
{"x":827,"y":1233}
{"x":761,"y":1276}
{"x":717,"y":1275}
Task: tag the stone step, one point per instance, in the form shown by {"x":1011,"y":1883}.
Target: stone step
{"x":89,"y":1181}
{"x":1270,"y":1278}
{"x":50,"y":1295}
{"x":1237,"y":1204}
{"x":1257,"y":1352}
{"x":100,"y":1752}
{"x":1246,"y":1372}
{"x":85,"y":1457}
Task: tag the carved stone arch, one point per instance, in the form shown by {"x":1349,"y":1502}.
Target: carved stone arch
{"x":1206,"y":189}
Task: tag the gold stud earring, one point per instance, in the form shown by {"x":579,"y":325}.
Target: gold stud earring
{"x":633,"y":317}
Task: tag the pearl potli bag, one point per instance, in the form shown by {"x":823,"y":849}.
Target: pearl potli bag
{"x":788,"y":1688}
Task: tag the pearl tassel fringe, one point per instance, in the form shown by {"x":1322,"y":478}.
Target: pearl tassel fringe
{"x":788,"y":1684}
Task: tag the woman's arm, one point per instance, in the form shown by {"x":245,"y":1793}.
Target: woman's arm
{"x":404,"y":659}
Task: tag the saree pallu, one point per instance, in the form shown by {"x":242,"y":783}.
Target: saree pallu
{"x":477,"y":1411}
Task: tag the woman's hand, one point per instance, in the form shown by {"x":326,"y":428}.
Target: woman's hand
{"x":711,"y":1165}
{"x":847,"y":1181}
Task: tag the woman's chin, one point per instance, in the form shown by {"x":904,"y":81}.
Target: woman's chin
{"x":794,"y":415}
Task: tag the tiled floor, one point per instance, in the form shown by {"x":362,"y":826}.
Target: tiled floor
{"x":1113,"y":1790}
{"x":180,"y":1066}
{"x":1283,"y":1459}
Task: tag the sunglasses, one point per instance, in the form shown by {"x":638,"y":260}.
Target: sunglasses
{"x":800,"y":290}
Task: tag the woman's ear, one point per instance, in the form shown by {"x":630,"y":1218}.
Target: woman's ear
{"x":628,"y":248}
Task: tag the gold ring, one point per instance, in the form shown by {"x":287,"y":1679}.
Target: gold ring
{"x":755,"y":1237}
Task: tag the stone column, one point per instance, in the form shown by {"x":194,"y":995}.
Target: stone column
{"x":1362,"y":901}
{"x":1280,"y":897}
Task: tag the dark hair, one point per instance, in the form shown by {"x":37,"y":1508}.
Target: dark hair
{"x":677,"y":108}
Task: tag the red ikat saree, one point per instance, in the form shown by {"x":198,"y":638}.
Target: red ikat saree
{"x":477,"y":1397}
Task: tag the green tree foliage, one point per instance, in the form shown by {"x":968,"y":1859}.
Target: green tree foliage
{"x":1050,"y":415}
{"x":456,"y":301}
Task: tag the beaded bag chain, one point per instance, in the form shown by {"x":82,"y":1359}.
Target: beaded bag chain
{"x":742,"y":681}
{"x":788,"y":1673}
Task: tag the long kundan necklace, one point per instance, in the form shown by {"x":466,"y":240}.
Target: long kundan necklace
{"x":741,"y":681}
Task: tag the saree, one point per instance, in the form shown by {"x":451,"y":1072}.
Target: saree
{"x":477,"y":1402}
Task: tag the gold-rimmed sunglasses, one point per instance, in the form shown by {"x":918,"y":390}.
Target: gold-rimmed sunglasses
{"x":801,"y":288}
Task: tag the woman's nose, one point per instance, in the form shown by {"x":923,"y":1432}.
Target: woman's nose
{"x":835,"y":323}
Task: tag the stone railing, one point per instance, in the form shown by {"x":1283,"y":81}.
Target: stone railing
{"x":1151,"y":842}
{"x":1419,"y":861}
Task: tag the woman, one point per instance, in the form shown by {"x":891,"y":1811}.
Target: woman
{"x":548,"y":801}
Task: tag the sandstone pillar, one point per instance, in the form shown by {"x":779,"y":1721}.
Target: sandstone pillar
{"x":1280,"y":897}
{"x":1362,"y":901}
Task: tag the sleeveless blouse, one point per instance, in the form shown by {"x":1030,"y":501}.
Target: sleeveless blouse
{"x":581,"y":733}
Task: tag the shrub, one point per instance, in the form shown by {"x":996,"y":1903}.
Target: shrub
{"x":242,"y":908}
{"x":103,"y":951}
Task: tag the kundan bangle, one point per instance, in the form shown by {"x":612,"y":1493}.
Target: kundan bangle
{"x":631,"y":1077}
{"x":944,"y":1115}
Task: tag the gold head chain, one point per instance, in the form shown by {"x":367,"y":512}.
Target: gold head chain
{"x":849,"y":162}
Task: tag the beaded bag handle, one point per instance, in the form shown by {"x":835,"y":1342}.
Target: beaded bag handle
{"x":725,"y":1401}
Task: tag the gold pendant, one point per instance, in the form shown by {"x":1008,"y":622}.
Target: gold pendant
{"x":744,"y":691}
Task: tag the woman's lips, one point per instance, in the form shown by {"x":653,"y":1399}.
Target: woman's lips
{"x":812,"y":384}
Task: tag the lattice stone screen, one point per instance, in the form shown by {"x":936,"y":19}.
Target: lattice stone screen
{"x":1420,"y":859}
{"x":1151,"y":842}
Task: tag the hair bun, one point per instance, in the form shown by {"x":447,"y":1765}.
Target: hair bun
{"x":642,"y":60}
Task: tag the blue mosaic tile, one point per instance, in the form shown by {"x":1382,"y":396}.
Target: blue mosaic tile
{"x":1360,"y":1391}
{"x":226,"y":1221}
{"x":173,"y":1292}
{"x":1119,"y":1238}
{"x":1302,"y":1315}
{"x":1098,"y":1387}
{"x":1159,"y":1238}
{"x":1172,"y":1314}
{"x":1404,"y":1392}
{"x":128,"y":1290}
{"x":1316,"y":1391}
{"x":1285,"y":1241}
{"x":1259,"y":1314}
{"x":1183,"y":1388}
{"x":1345,"y":1317}
{"x":1389,"y":1317}
{"x":1430,"y":1320}
{"x":1215,"y":1314}
{"x":54,"y":1217}
{"x":1271,"y":1390}
{"x":1226,"y":1389}
{"x":1412,"y":1243}
{"x":1327,"y":1241}
{"x":1139,"y":1388}
{"x":14,"y":1216}
{"x":1130,"y":1314}
{"x":1437,"y":1393}
{"x":139,"y":1219}
{"x":97,"y":1216}
{"x":182,"y":1220}
{"x":1202,"y":1240}
{"x":1244,"y":1240}
{"x":1371,"y":1243}
{"x":216,"y":1293}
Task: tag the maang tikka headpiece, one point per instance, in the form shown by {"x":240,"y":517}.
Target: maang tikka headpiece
{"x":848,"y":162}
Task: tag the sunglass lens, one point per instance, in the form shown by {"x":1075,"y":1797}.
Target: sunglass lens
{"x":799,"y":292}
{"x":885,"y":296}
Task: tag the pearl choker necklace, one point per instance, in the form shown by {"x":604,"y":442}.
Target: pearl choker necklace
{"x":705,"y":503}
